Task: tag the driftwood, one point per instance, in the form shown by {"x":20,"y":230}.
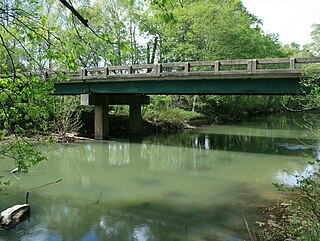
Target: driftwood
{"x":12,"y":216}
{"x":15,"y":170}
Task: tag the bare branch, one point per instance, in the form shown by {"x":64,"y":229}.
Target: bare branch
{"x":75,"y":12}
{"x":22,"y":45}
{"x":10,"y":56}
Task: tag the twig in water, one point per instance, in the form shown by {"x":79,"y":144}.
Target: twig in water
{"x":27,"y":197}
{"x":47,"y":184}
{"x":98,"y":198}
{"x":245,"y":221}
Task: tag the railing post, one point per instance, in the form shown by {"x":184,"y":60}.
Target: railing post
{"x":217,"y":66}
{"x":292,"y":63}
{"x":252,"y":65}
{"x":130,"y":69}
{"x":249,"y":65}
{"x":187,"y":67}
{"x":83,"y":73}
{"x":158,"y":69}
{"x":106,"y":71}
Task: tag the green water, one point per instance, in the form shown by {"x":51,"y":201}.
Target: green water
{"x":194,"y":185}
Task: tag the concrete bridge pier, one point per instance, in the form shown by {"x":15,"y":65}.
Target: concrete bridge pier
{"x":101,"y":117}
{"x":135,"y":123}
{"x":101,"y":122}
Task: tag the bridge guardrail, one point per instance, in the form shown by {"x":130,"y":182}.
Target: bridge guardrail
{"x":219,"y":68}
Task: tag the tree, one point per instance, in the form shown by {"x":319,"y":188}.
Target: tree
{"x":294,"y":50}
{"x":208,"y":30}
{"x":314,"y":47}
{"x":27,"y":49}
{"x":112,"y":38}
{"x":193,"y":30}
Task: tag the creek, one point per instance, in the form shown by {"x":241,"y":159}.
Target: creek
{"x":201,"y":184}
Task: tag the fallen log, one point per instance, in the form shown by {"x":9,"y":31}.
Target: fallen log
{"x":12,"y":216}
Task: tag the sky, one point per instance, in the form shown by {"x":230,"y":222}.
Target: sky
{"x":291,"y":19}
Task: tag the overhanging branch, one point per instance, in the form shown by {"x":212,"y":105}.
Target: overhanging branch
{"x":75,"y":12}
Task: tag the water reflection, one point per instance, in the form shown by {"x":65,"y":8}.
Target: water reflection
{"x":188,"y":186}
{"x":56,"y":220}
{"x":292,"y":178}
{"x":241,"y":142}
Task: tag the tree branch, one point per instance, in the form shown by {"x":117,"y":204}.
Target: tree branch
{"x":22,"y":45}
{"x":10,"y":56}
{"x":75,"y":12}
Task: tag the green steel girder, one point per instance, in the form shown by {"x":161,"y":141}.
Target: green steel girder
{"x":241,"y":86}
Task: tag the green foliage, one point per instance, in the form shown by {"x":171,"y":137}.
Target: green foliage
{"x":223,"y":108}
{"x":209,"y":30}
{"x":303,"y":213}
{"x":112,"y":38}
{"x":295,"y":50}
{"x":3,"y":184}
{"x":119,"y":110}
{"x":161,"y":112}
{"x":66,"y":112}
{"x":312,"y":80}
{"x":235,"y":107}
{"x":28,"y":45}
{"x":314,"y":47}
{"x":23,"y":114}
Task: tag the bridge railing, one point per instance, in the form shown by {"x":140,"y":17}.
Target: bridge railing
{"x":202,"y":68}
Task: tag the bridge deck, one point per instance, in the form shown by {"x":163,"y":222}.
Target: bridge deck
{"x":253,"y":76}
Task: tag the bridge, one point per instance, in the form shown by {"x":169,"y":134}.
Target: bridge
{"x":130,"y":84}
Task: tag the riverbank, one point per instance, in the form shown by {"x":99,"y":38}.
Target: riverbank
{"x":276,"y":220}
{"x":297,"y":215}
